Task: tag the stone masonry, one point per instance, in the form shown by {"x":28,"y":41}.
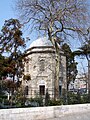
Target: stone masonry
{"x":64,"y":112}
{"x":41,"y":67}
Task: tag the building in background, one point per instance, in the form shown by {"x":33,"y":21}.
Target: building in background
{"x":80,"y":84}
{"x":40,"y":66}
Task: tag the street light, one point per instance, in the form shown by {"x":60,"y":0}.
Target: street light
{"x":88,"y":58}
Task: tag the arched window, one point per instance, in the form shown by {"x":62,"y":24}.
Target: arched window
{"x":27,"y":66}
{"x":42,"y":65}
{"x":42,"y":90}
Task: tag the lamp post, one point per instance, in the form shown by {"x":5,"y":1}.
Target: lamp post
{"x":88,"y":58}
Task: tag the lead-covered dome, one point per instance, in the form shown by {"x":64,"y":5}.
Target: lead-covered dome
{"x":43,"y":41}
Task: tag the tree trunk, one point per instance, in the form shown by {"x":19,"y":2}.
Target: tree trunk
{"x":57,"y":64}
{"x":89,"y":77}
{"x":57,"y":72}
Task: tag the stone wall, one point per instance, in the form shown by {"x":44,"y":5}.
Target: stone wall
{"x":41,"y":65}
{"x":47,"y":113}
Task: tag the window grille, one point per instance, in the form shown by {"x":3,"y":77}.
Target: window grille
{"x":42,"y":65}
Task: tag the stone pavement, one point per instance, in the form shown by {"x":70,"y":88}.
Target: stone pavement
{"x":78,"y":116}
{"x":64,"y":112}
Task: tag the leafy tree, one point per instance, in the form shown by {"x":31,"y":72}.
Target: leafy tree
{"x":11,"y":41}
{"x":20,"y":98}
{"x":84,"y":50}
{"x":57,"y":19}
{"x":2,"y":64}
{"x":27,"y":77}
{"x":3,"y":74}
{"x":7,"y":86}
{"x":71,"y":65}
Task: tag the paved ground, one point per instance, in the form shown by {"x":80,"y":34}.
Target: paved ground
{"x":78,"y":116}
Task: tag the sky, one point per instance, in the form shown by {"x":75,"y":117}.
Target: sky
{"x":7,"y":12}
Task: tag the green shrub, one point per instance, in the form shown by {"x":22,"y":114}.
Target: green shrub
{"x":77,"y":98}
{"x":85,"y":98}
{"x":73,"y":98}
{"x":38,"y":100}
{"x":55,"y":102}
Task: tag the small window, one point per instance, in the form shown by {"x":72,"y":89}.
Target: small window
{"x":26,"y":90}
{"x":60,"y":90}
{"x":42,"y":65}
{"x":42,"y":89}
{"x":27,"y":66}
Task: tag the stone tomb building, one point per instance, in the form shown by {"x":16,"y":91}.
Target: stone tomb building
{"x":41,"y":67}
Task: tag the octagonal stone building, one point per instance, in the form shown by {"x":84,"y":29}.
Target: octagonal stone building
{"x":40,"y":66}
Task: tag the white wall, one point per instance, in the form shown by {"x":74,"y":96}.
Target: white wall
{"x":44,"y":113}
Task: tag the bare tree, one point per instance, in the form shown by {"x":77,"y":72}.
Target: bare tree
{"x":57,"y":19}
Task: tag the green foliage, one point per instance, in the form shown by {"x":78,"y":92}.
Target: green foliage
{"x":11,"y":41}
{"x":77,"y":98}
{"x":38,"y":100}
{"x":11,"y":36}
{"x":2,"y":93}
{"x":3,"y":65}
{"x":3,"y":96}
{"x":86,"y":98}
{"x":71,"y":65}
{"x":27,"y":77}
{"x":72,"y":98}
{"x":8,"y":85}
{"x":19,"y":98}
{"x":16,"y":97}
{"x":47,"y":98}
{"x":84,"y":49}
{"x":55,"y":102}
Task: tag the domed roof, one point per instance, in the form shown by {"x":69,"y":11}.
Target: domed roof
{"x":43,"y":41}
